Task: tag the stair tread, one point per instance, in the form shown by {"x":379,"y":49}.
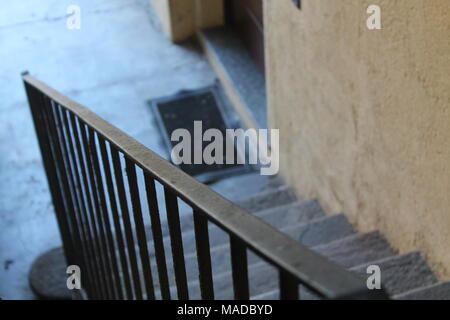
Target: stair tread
{"x":269,"y":295}
{"x":273,"y":198}
{"x":357,"y":249}
{"x":326,"y":229}
{"x":322,"y":230}
{"x":331,"y":236}
{"x":402,"y":273}
{"x":217,"y":236}
{"x":268,"y":199}
{"x":262,"y":278}
{"x":399,"y":274}
{"x":293,"y":213}
{"x":348,"y":252}
{"x":439,"y":291}
{"x":250,"y":184}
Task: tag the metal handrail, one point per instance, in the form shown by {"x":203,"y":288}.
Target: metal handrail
{"x":296,"y":263}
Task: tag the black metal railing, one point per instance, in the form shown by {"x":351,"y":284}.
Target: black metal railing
{"x":99,"y":208}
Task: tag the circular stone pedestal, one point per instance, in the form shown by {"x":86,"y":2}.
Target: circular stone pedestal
{"x":48,"y":276}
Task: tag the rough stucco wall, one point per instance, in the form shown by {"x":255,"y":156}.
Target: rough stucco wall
{"x":163,"y":12}
{"x":180,"y":19}
{"x":177,"y":18}
{"x":365,"y":115}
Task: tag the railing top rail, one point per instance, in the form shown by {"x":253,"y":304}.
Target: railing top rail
{"x":312,"y":269}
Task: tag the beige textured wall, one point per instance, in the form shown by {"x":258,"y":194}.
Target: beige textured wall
{"x":177,"y":18}
{"x":365,"y":115}
{"x":209,"y":13}
{"x":180,"y":19}
{"x":161,"y":8}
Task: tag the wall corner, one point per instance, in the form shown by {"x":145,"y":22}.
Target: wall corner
{"x":180,"y":19}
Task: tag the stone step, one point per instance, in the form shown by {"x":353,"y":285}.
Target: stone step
{"x":348,"y":252}
{"x":294,"y":213}
{"x":357,"y":249}
{"x":270,"y":295}
{"x":229,"y":55}
{"x":351,"y":251}
{"x":440,"y":291}
{"x":262,"y":278}
{"x":285,"y":215}
{"x":235,"y":188}
{"x":273,"y":198}
{"x":245,"y":185}
{"x":401,"y":273}
{"x":321,"y":230}
{"x":268,"y":199}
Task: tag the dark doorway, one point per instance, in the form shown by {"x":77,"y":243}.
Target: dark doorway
{"x":246,"y":18}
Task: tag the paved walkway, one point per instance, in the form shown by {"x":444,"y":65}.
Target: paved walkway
{"x":116,"y":62}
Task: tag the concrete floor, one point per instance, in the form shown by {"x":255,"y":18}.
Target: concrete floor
{"x":114,"y":64}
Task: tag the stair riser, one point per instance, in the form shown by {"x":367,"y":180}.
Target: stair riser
{"x":303,"y":212}
{"x":220,"y":257}
{"x":439,"y":291}
{"x":357,"y":250}
{"x":312,"y":234}
{"x":401,"y":273}
{"x":275,"y":198}
{"x":325,"y":230}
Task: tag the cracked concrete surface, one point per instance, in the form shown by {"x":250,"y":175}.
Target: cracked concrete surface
{"x":113,"y":64}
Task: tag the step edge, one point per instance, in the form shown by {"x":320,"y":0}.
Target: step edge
{"x":351,"y":238}
{"x":387,"y":259}
{"x":404,"y":295}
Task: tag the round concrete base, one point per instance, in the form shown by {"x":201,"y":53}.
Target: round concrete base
{"x":48,"y":276}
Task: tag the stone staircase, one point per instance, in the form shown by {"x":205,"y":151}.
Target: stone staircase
{"x":404,"y":276}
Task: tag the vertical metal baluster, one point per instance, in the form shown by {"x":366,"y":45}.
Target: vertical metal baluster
{"x":95,"y":214}
{"x":116,"y":220}
{"x":68,"y":186}
{"x":99,"y":201}
{"x":90,"y":227}
{"x":63,"y":174}
{"x":140,"y":231}
{"x":239,"y":266}
{"x":157,"y":236}
{"x":288,"y":286}
{"x":72,"y":169}
{"x":83,"y":194}
{"x":36,"y":104}
{"x":203,"y":255}
{"x":105,"y":225}
{"x":126,"y":222}
{"x":176,"y":241}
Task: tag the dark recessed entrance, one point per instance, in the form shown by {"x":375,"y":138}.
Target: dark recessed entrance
{"x":246,"y":18}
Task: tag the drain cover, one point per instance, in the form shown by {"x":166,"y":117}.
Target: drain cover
{"x":182,"y":111}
